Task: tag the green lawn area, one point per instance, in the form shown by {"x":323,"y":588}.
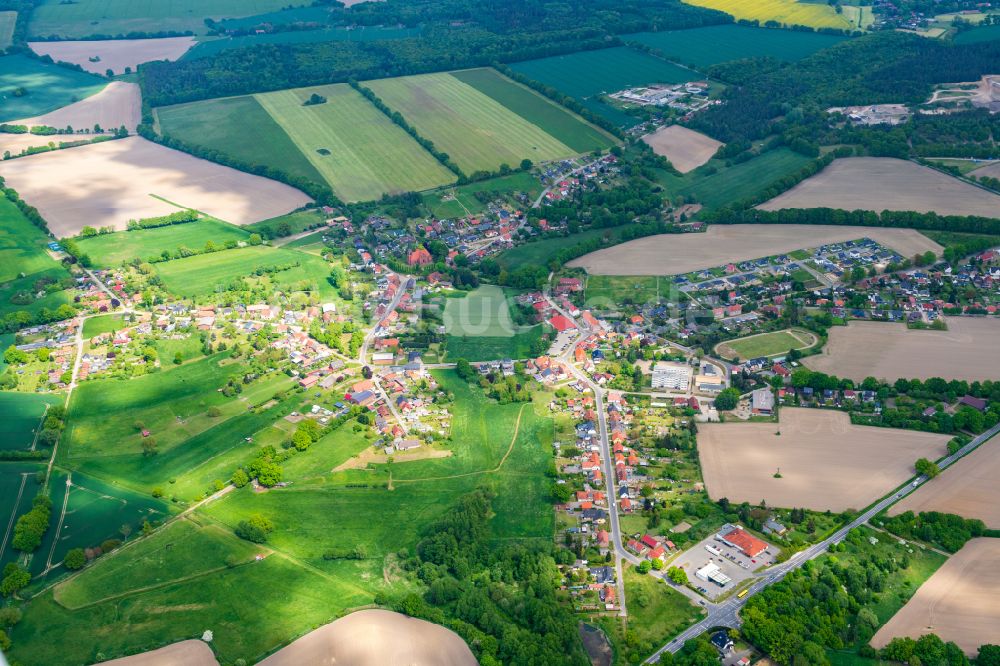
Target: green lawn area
{"x":102,"y":324}
{"x":609,"y":291}
{"x":711,"y":45}
{"x":107,"y":250}
{"x":365,"y":155}
{"x":22,"y":414}
{"x":47,"y":87}
{"x":475,"y":130}
{"x":765,"y":344}
{"x":113,"y":17}
{"x":449,"y":202}
{"x":559,"y":122}
{"x":482,"y":312}
{"x":226,"y":125}
{"x":22,"y":252}
{"x":332,"y":450}
{"x":205,"y":273}
{"x":183,"y":549}
{"x":735,"y":183}
{"x":297,"y":222}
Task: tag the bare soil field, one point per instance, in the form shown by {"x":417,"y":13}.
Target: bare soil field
{"x":958,"y":603}
{"x":990,"y":171}
{"x":114,"y":54}
{"x":967,"y":350}
{"x":190,"y":653}
{"x":825,"y":462}
{"x":884,"y":183}
{"x":376,"y":638}
{"x":107,"y":184}
{"x":969,"y":491}
{"x":686,"y":149}
{"x":673,"y":254}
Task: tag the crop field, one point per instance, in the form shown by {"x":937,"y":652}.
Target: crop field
{"x":958,"y":603}
{"x":22,"y":251}
{"x":885,"y":183}
{"x":477,"y":132}
{"x":990,"y":170}
{"x":686,"y":149}
{"x":18,"y":487}
{"x":825,"y":462}
{"x":7,"y":22}
{"x":22,"y":415}
{"x":213,"y":47}
{"x":775,"y":343}
{"x":224,"y":125}
{"x":588,"y":74}
{"x":47,"y":87}
{"x":713,"y":44}
{"x":986,"y":33}
{"x":108,"y":250}
{"x":967,"y":350}
{"x":558,"y":121}
{"x":461,"y":200}
{"x":969,"y":491}
{"x":114,"y":54}
{"x":673,"y":254}
{"x":107,"y":184}
{"x":114,"y":17}
{"x":788,"y":12}
{"x":354,"y":146}
{"x":201,"y":274}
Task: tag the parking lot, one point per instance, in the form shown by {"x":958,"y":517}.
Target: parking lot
{"x":731,"y":561}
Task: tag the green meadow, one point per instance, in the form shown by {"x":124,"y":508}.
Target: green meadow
{"x":46,"y":87}
{"x":103,"y":324}
{"x":22,"y":415}
{"x":107,"y":250}
{"x":19,"y":484}
{"x":24,"y":261}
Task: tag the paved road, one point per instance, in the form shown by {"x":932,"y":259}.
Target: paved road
{"x":363,"y":352}
{"x":726,"y":614}
{"x":538,"y":201}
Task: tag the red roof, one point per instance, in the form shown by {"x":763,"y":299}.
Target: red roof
{"x":649,"y":541}
{"x":750,"y":545}
{"x":561,"y":323}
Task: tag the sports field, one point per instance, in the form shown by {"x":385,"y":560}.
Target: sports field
{"x":114,"y":54}
{"x":118,"y":17}
{"x":967,"y":350}
{"x":22,"y":417}
{"x":957,"y":604}
{"x":788,"y":12}
{"x":884,"y":183}
{"x":826,"y":463}
{"x":46,"y":87}
{"x":587,"y":74}
{"x":7,"y":22}
{"x":475,"y":130}
{"x":559,"y":122}
{"x":112,"y":249}
{"x":776,"y":343}
{"x":202,"y":274}
{"x":713,"y":44}
{"x":354,"y":146}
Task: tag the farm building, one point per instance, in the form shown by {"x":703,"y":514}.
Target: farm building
{"x":737,"y":537}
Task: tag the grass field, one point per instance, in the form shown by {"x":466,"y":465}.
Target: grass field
{"x":19,"y":484}
{"x":541,"y":251}
{"x":47,"y":87}
{"x":7,"y":23}
{"x":108,"y":250}
{"x":22,"y":414}
{"x":588,"y":74}
{"x":227,"y":124}
{"x":475,"y":130}
{"x":22,"y":252}
{"x":711,"y":45}
{"x":787,"y":12}
{"x":297,"y":222}
{"x":483,"y":312}
{"x":461,"y":200}
{"x":103,"y":324}
{"x":213,"y":47}
{"x":113,"y":17}
{"x":368,"y":155}
{"x":986,"y":33}
{"x":776,"y":343}
{"x":485,"y":348}
{"x":203,"y":274}
{"x":610,"y":291}
{"x":572,"y":130}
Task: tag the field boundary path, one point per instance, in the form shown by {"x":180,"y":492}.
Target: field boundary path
{"x":13,"y":513}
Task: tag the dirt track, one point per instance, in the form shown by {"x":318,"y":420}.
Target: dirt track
{"x":825,"y":462}
{"x":967,"y":350}
{"x":109,"y":183}
{"x":114,"y":54}
{"x":884,"y":183}
{"x":969,"y":489}
{"x":958,"y":603}
{"x":376,"y":638}
{"x":672,"y":254}
{"x":686,"y":149}
{"x":188,"y":653}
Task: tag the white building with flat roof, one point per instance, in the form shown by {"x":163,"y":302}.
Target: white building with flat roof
{"x":672,"y":376}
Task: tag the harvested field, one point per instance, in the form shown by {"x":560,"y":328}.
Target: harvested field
{"x":673,"y":254}
{"x":107,"y":184}
{"x":967,"y":350}
{"x":373,"y":638}
{"x":825,"y":462}
{"x":884,"y":183}
{"x":990,"y":171}
{"x":970,"y":490}
{"x":686,"y":149}
{"x":120,"y":103}
{"x":190,"y":653}
{"x":958,"y":603}
{"x":114,"y":54}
